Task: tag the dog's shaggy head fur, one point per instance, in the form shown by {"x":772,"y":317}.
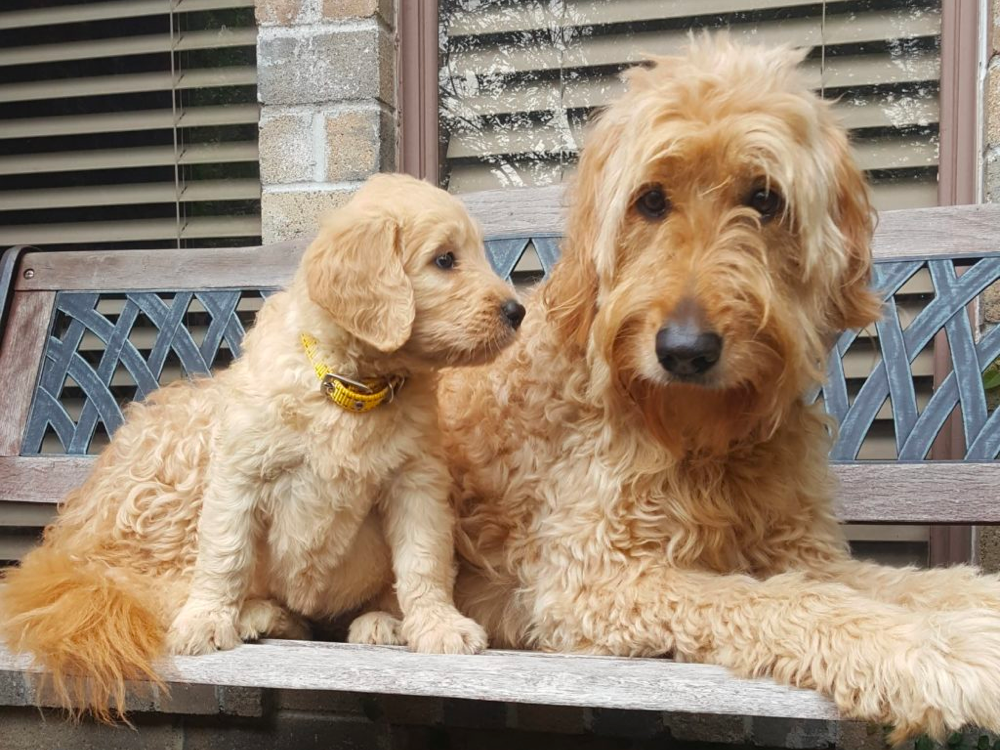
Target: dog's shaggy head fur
{"x":402,"y":268}
{"x":717,"y":197}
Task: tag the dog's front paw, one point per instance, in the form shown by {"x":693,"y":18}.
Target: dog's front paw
{"x":376,"y":629}
{"x":945,"y":678}
{"x":200,"y":629}
{"x":442,"y":630}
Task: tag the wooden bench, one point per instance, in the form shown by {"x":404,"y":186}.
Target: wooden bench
{"x":71,"y":329}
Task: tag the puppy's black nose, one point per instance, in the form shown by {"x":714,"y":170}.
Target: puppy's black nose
{"x":514,"y":312}
{"x":685,"y":350}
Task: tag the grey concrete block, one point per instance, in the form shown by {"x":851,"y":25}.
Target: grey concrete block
{"x":991,"y":170}
{"x":28,"y":729}
{"x":189,"y":699}
{"x":358,"y":143}
{"x":989,"y":548}
{"x":558,"y":719}
{"x":320,"y":700}
{"x":475,"y":714}
{"x":708,"y":728}
{"x":281,"y":12}
{"x":859,"y":735}
{"x":341,"y":9}
{"x":12,"y":689}
{"x":294,"y":214}
{"x":286,"y":730}
{"x":240,"y":701}
{"x":797,"y":734}
{"x":302,"y":65}
{"x":613,"y":722}
{"x":412,"y":709}
{"x":287,"y":147}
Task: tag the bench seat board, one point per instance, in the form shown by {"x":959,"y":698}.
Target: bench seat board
{"x":507,"y":676}
{"x":939,"y":492}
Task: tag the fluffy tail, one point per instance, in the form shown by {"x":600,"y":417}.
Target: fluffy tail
{"x":89,"y":627}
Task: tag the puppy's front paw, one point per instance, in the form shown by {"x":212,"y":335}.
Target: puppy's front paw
{"x":199,"y":629}
{"x":442,"y":630}
{"x":376,"y":629}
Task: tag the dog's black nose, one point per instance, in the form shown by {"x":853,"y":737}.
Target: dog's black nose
{"x":514,"y":312}
{"x":686,"y":350}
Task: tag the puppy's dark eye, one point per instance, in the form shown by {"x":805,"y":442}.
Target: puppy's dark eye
{"x":765,"y":202}
{"x":653,"y":204}
{"x":445,"y":261}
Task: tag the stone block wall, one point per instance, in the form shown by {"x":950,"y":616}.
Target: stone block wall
{"x":327,"y":87}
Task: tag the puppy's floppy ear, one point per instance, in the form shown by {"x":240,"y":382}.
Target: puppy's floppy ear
{"x":354,"y":270}
{"x":854,"y":304}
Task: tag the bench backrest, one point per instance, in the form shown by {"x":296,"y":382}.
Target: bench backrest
{"x":942,"y":258}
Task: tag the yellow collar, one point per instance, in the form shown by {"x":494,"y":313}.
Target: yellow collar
{"x":348,"y":394}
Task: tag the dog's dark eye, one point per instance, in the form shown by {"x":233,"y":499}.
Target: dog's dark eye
{"x":653,"y":204}
{"x":765,"y":202}
{"x":445,"y":261}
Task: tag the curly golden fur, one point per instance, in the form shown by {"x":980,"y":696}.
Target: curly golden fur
{"x":610,"y":505}
{"x":228,"y":508}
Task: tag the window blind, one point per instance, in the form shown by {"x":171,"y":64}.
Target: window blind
{"x":128,"y":123}
{"x":519,"y":80}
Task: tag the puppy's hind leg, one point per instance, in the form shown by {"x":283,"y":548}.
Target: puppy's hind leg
{"x":381,"y":626}
{"x":264,"y":618}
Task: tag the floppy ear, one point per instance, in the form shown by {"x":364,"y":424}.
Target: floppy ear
{"x":854,"y":305}
{"x":354,"y":270}
{"x":591,"y":231}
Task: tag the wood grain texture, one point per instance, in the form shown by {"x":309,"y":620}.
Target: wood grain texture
{"x":942,"y":492}
{"x":20,"y":358}
{"x":178,"y":269}
{"x":943,"y":231}
{"x":41,"y":479}
{"x":518,"y":211}
{"x":948,"y":230}
{"x":516,"y":677}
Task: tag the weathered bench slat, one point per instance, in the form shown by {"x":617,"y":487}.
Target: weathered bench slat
{"x":951,"y":231}
{"x":41,"y":479}
{"x":154,"y":270}
{"x":937,"y":492}
{"x":516,"y":677}
{"x":23,"y":341}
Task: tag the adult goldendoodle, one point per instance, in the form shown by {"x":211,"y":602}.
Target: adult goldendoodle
{"x":639,"y":474}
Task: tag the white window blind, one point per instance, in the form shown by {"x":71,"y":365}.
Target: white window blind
{"x":520,"y":79}
{"x":128,"y":123}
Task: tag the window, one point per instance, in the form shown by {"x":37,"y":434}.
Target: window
{"x":128,"y":123}
{"x":519,"y":80}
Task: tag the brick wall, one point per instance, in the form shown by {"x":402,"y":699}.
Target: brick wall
{"x":326,"y":84}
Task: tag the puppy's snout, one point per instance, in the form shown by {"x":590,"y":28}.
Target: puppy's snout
{"x":685,"y":346}
{"x":513,"y":311}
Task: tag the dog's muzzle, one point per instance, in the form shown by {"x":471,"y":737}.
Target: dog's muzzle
{"x":685,"y":346}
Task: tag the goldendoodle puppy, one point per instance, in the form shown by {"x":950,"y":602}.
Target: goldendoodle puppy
{"x":298,"y":481}
{"x":639,"y":475}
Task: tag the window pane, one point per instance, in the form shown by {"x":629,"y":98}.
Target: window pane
{"x":519,"y":80}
